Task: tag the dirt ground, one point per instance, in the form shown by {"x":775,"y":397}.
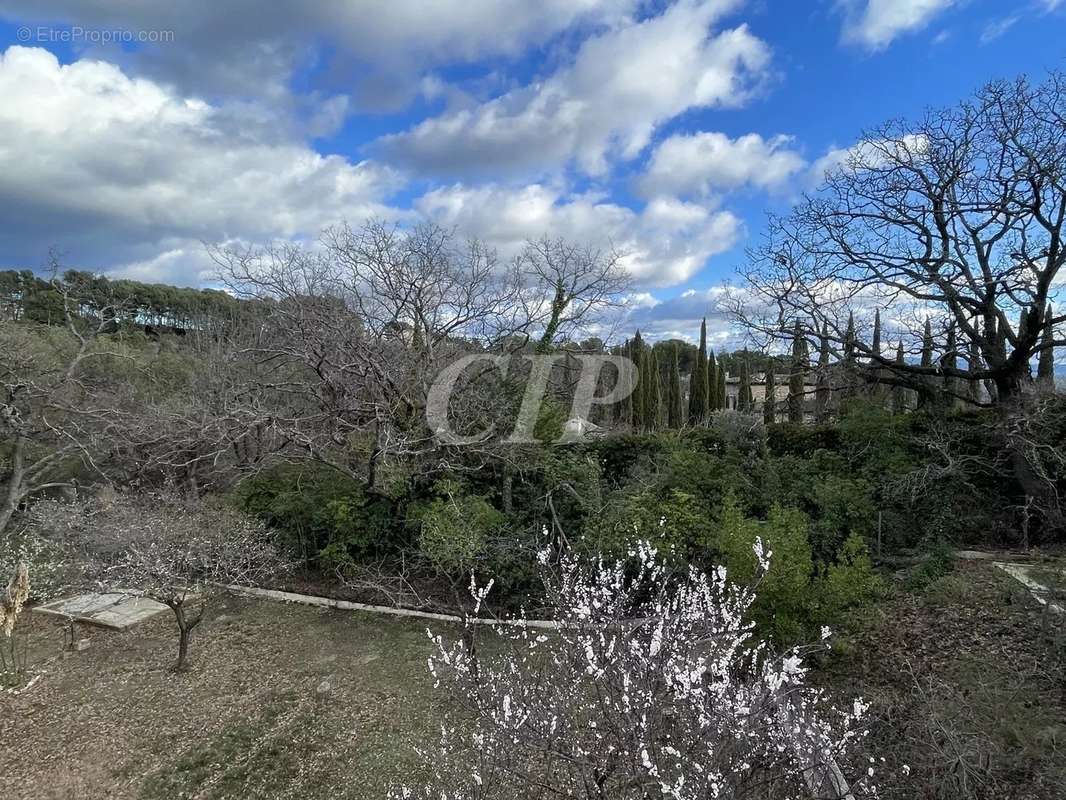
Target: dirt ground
{"x":246,"y":722}
{"x":966,"y":677}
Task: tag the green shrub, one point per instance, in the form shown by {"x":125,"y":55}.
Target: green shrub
{"x":454,"y":528}
{"x":784,"y":605}
{"x":324,"y":517}
{"x":849,"y":581}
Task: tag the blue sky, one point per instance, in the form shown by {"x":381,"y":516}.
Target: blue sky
{"x":667,"y":130}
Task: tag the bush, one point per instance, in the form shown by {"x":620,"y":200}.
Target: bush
{"x":323,"y":516}
{"x":454,"y":528}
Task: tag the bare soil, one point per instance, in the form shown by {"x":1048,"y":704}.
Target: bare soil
{"x":114,"y":722}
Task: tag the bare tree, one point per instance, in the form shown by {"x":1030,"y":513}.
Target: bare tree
{"x":570,"y":286}
{"x":955,"y":226}
{"x":955,"y":220}
{"x":160,"y":547}
{"x":355,"y":332}
{"x":56,"y":408}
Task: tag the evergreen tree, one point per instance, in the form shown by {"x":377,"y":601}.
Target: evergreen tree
{"x":697,"y":395}
{"x":714,"y":401}
{"x":676,"y":409}
{"x":625,"y":405}
{"x":653,"y":398}
{"x":974,"y":364}
{"x":638,"y":354}
{"x":823,"y":391}
{"x":745,"y":402}
{"x":769,"y":404}
{"x":950,"y":361}
{"x":927,"y":345}
{"x":1045,"y":370}
{"x":899,"y":393}
{"x":875,"y":346}
{"x":929,"y":388}
{"x":722,"y":392}
{"x":795,"y":378}
{"x":849,"y":340}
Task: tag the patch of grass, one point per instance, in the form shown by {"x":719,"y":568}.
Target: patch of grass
{"x":940,"y":561}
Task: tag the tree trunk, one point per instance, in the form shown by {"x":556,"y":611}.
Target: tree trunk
{"x":14,"y":491}
{"x":185,"y":629}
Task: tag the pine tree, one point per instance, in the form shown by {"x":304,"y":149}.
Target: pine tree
{"x":744,"y":398}
{"x":697,"y":395}
{"x":795,"y":378}
{"x":1045,"y":369}
{"x":676,"y":410}
{"x":769,"y":403}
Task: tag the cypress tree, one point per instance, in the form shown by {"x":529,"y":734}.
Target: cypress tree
{"x":849,"y":340}
{"x":676,"y":410}
{"x":928,"y":381}
{"x":653,"y":397}
{"x":1045,"y":369}
{"x":625,"y":405}
{"x":795,"y":378}
{"x":875,"y":347}
{"x":714,"y":401}
{"x":899,"y":393}
{"x":744,"y":398}
{"x":974,"y":364}
{"x":950,"y":361}
{"x":769,"y":403}
{"x":697,"y":395}
{"x":823,"y":391}
{"x":927,"y":345}
{"x":637,"y":353}
{"x":721,"y":391}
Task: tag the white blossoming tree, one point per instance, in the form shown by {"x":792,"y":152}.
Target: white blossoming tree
{"x":649,"y":685}
{"x":164,"y":549}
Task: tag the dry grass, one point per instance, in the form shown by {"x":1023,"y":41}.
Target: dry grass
{"x":113,"y":722}
{"x":968,"y":688}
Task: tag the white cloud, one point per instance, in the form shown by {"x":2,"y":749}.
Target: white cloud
{"x":877,"y":23}
{"x":679,"y":317}
{"x":702,"y":163}
{"x":111,"y":168}
{"x":867,"y":154}
{"x":250,"y":47}
{"x":996,"y":28}
{"x":665,"y":243}
{"x":621,"y":86}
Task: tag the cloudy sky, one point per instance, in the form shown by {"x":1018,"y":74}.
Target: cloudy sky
{"x":130,"y":133}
